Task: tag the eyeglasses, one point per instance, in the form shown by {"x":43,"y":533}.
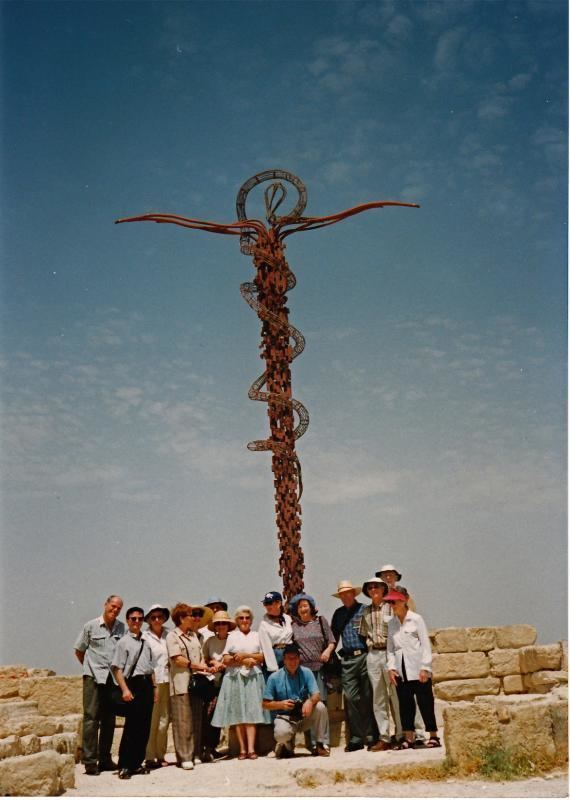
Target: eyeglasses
{"x":136,"y":619}
{"x":197,"y":614}
{"x":243,"y":618}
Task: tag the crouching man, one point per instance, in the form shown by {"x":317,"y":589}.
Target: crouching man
{"x":292,"y":695}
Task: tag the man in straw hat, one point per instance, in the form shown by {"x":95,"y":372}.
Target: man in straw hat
{"x":374,"y":627}
{"x":354,"y":676}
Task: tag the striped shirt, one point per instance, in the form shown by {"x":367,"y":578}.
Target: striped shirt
{"x":374,"y":625}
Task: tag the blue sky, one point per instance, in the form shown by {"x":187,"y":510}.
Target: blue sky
{"x":435,"y":366}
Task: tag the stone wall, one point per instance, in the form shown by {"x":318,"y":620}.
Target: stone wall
{"x":470,"y":662}
{"x":40,"y":723}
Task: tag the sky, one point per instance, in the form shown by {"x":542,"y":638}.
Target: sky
{"x":435,"y":365}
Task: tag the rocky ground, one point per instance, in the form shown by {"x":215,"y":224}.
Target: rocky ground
{"x":359,"y":774}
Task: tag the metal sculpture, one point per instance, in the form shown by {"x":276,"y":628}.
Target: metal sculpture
{"x":267,"y":296}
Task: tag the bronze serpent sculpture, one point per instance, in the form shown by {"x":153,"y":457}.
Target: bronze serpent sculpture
{"x":267,"y":296}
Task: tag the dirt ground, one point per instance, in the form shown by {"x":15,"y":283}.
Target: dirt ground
{"x":305,"y":776}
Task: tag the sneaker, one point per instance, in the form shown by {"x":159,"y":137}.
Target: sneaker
{"x":198,"y":761}
{"x":187,"y":765}
{"x":322,"y":750}
{"x":92,"y":769}
{"x":207,"y":757}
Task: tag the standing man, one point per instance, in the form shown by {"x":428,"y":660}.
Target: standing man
{"x":293,"y":696}
{"x":374,"y":628}
{"x":133,"y":667}
{"x":94,"y":649}
{"x":354,"y":676}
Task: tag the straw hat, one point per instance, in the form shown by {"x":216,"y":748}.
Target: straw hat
{"x":221,"y":616}
{"x":346,"y":586}
{"x":207,"y":613}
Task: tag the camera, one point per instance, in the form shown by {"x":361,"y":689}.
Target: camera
{"x":296,"y":712}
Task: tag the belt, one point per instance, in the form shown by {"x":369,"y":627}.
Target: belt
{"x":352,"y":653}
{"x":378,"y":647}
{"x":140,"y":678}
{"x":280,"y":646}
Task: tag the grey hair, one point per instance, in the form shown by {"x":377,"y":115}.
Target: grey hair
{"x":241,"y":609}
{"x":118,"y":596}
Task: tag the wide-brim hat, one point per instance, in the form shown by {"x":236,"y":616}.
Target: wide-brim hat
{"x":376,"y":579}
{"x":346,"y":586}
{"x":221,"y":616}
{"x":389,"y":568}
{"x":207,"y":613}
{"x":157,"y":607}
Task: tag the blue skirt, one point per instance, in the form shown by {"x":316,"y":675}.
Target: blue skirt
{"x":239,"y":701}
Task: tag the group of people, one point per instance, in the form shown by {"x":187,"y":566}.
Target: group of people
{"x":212,"y":671}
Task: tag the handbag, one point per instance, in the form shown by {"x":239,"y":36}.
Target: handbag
{"x":333,"y":667}
{"x":203,"y":687}
{"x":120,"y":706}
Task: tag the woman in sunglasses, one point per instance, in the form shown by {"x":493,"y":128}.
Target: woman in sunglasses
{"x":240,"y":698}
{"x":185,"y":653}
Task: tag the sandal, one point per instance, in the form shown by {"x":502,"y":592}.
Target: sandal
{"x":242,"y":756}
{"x":252,"y":756}
{"x":405,"y":745}
{"x":433,"y":741}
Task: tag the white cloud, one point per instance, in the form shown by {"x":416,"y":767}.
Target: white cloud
{"x":447,"y":49}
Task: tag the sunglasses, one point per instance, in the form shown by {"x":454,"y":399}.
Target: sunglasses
{"x":243,"y":618}
{"x":157,"y":617}
{"x":197,"y":614}
{"x":136,"y":619}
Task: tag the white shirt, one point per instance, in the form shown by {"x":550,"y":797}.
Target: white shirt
{"x":238,"y":642}
{"x":160,"y":654}
{"x":409,"y":640}
{"x":272,"y":633}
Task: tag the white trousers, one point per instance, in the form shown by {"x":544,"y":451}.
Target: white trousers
{"x":384,"y":695}
{"x":318,"y":721}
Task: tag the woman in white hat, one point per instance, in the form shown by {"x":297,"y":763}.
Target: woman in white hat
{"x":213,"y":648}
{"x":156,"y":637}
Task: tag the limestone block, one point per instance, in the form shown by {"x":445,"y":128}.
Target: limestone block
{"x":483,"y":639}
{"x":9,"y":687}
{"x":57,"y":695}
{"x":451,"y":640}
{"x":544,"y":680}
{"x":537,"y":657}
{"x":60,"y":742}
{"x":432,"y":634}
{"x":13,"y":671}
{"x":467,"y":728}
{"x":515,"y":635}
{"x":9,"y":747}
{"x":504,"y":662}
{"x":71,"y":723}
{"x":564,"y":648}
{"x":528,"y":729}
{"x":448,"y":666}
{"x":40,"y":774}
{"x":513,"y":684}
{"x":559,"y":717}
{"x":37,"y":672}
{"x":67,"y":773}
{"x":13,"y":716}
{"x":465,"y":689}
{"x":29,"y":744}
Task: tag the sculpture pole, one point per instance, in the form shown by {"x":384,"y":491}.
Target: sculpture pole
{"x":267,"y":296}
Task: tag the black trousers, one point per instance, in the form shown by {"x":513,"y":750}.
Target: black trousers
{"x":408,"y":693}
{"x":137,"y":723}
{"x":98,"y":721}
